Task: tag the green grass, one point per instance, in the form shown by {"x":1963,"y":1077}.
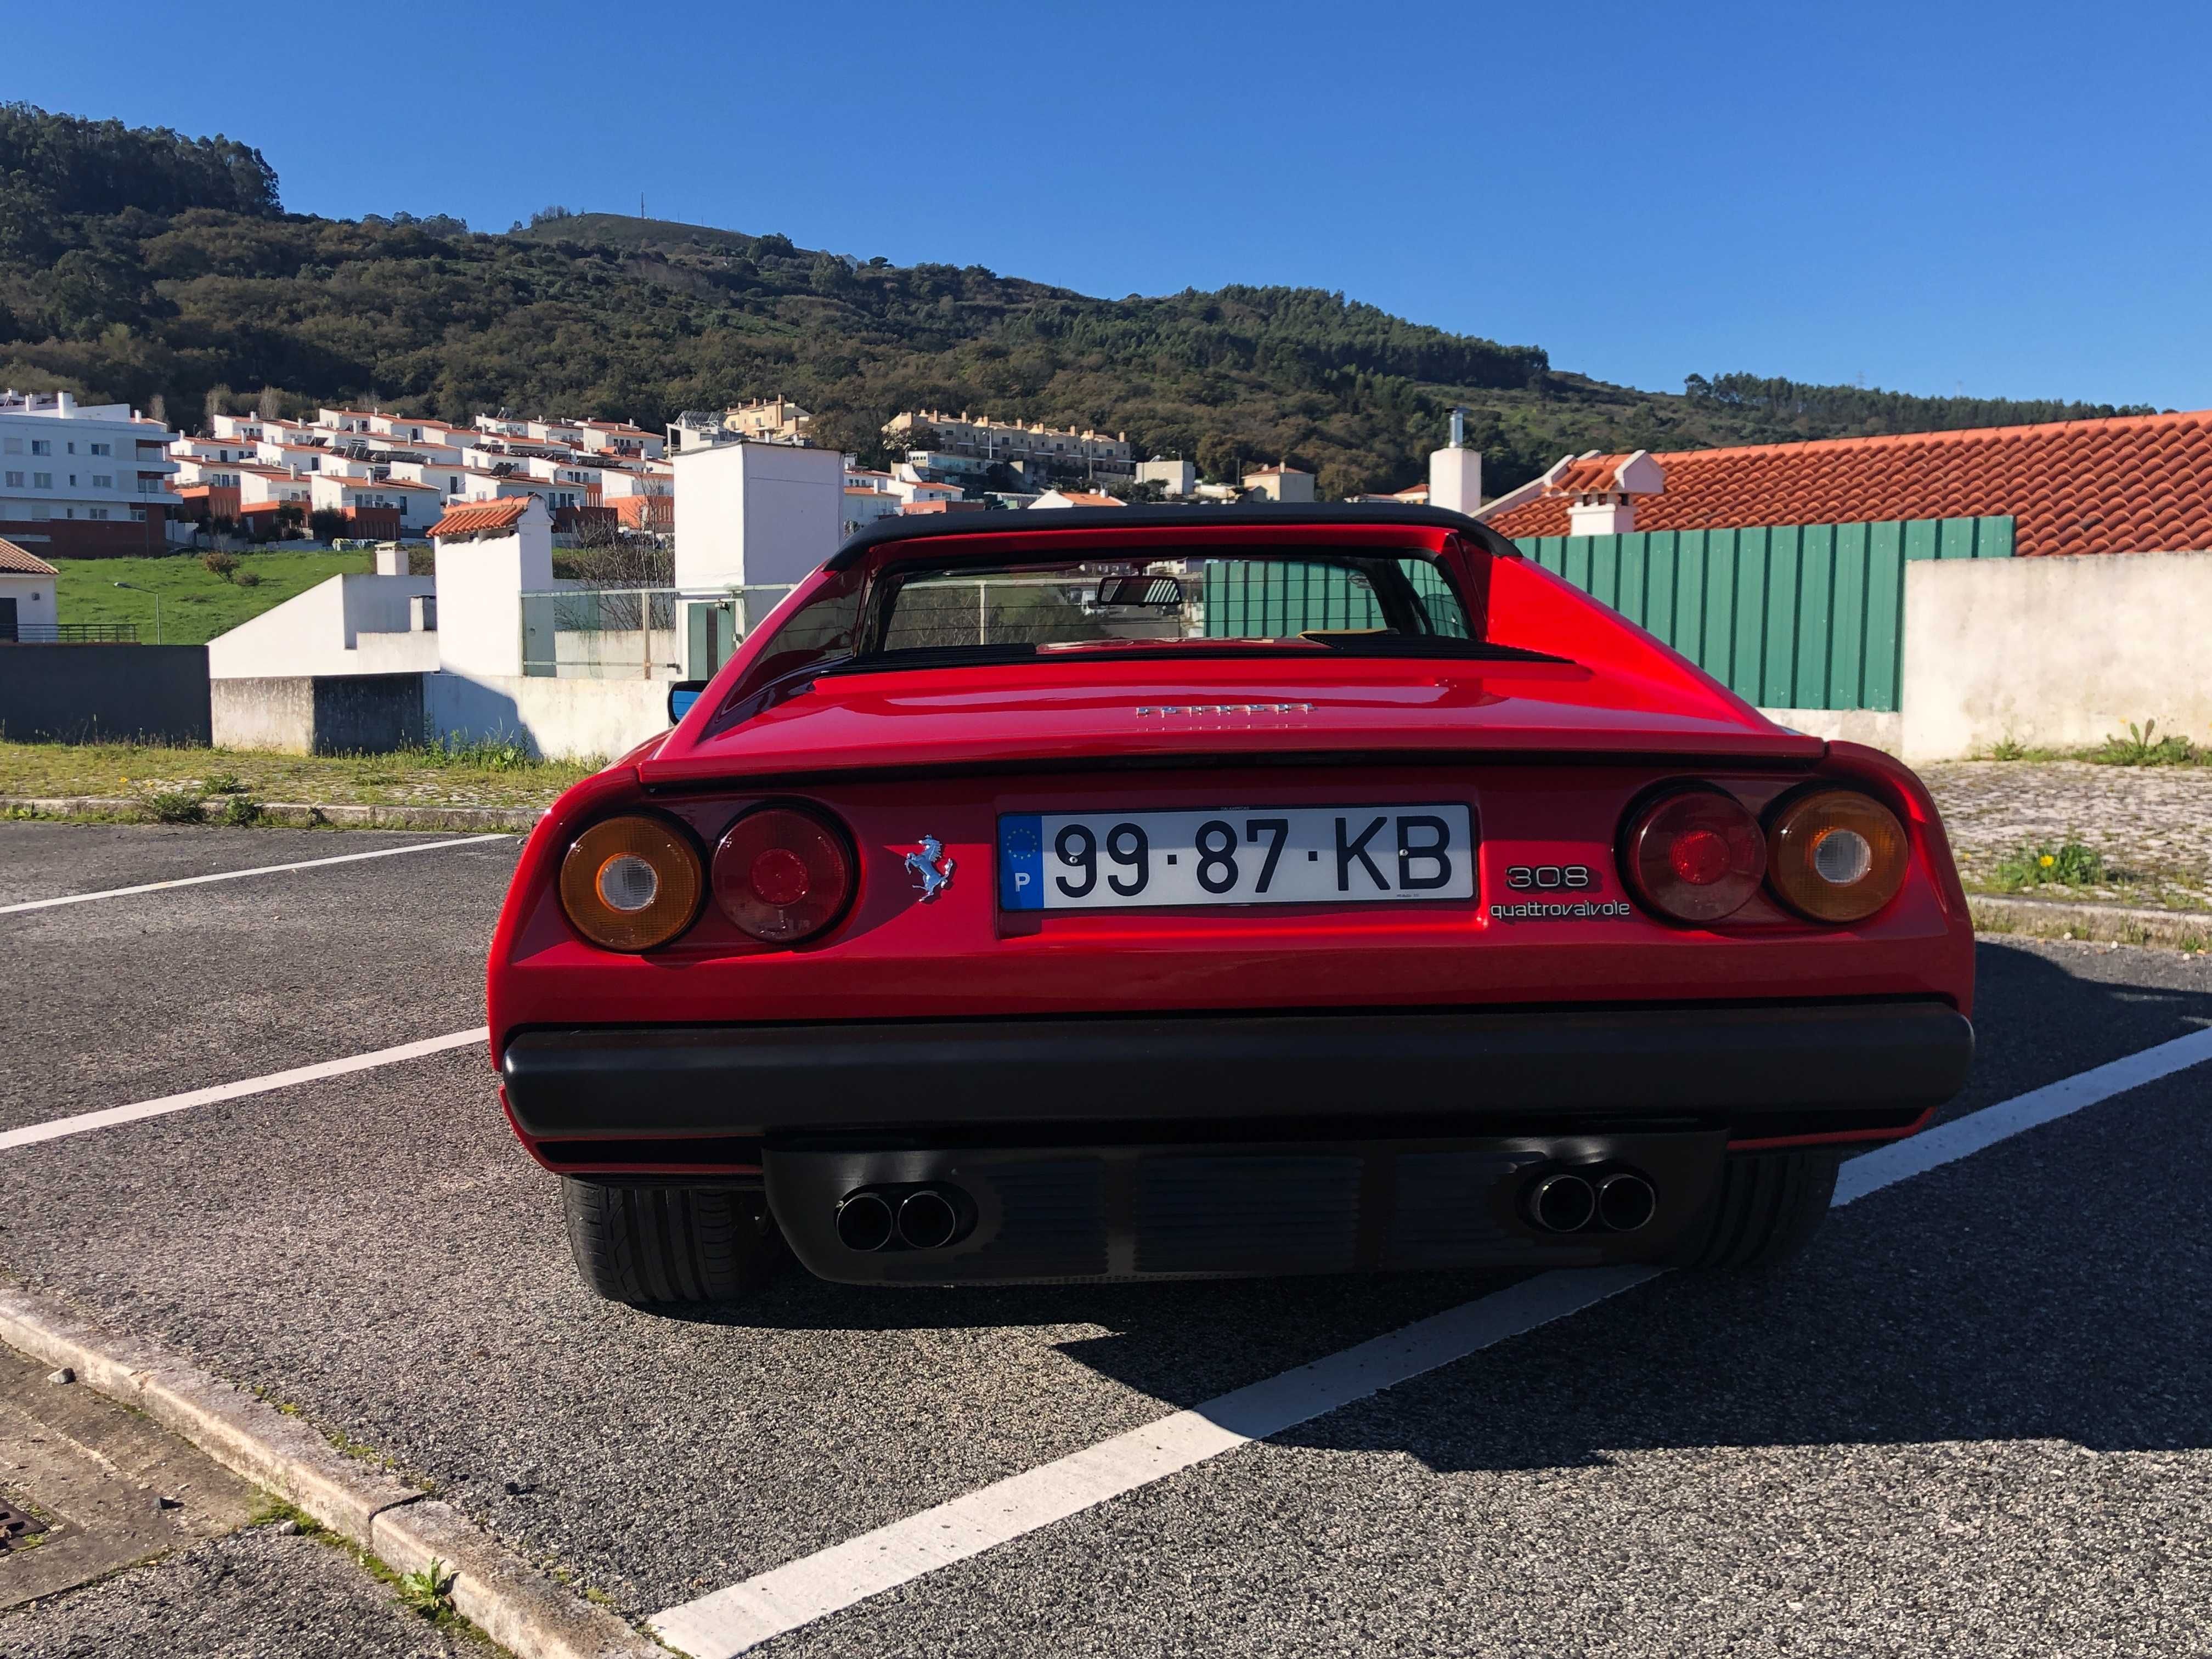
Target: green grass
{"x":196,"y":604}
{"x":486,"y":773}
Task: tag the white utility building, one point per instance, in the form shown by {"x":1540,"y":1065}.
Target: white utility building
{"x":756,"y":514}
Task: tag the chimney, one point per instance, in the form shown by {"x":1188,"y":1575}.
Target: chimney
{"x":1605,"y":504}
{"x":1455,"y":471}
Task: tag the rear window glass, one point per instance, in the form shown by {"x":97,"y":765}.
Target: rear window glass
{"x":1166,"y":602}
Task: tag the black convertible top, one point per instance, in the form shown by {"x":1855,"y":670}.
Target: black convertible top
{"x":947,"y":526}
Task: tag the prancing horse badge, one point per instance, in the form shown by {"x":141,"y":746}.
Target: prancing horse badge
{"x":932,"y":868}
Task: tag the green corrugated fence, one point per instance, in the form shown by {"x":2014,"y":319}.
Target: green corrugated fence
{"x":1280,"y":598}
{"x":1789,"y":616}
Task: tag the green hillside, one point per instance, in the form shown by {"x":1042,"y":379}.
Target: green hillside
{"x":137,"y":262}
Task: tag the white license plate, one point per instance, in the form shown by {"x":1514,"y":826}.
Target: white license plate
{"x":1235,"y":855}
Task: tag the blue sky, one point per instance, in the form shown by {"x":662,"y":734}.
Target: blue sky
{"x":2011,"y":199}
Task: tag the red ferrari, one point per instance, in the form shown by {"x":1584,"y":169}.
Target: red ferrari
{"x":1163,"y":893}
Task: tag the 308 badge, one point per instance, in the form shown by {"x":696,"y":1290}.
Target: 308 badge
{"x":1579,"y":879}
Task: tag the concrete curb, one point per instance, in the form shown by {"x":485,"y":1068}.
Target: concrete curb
{"x":2117,"y":924}
{"x":295,"y":815}
{"x":497,"y":1592}
{"x":525,"y":1613}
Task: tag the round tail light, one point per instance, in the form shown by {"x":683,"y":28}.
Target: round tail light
{"x":1836,"y":855}
{"x":783,"y":876}
{"x":1696,"y":856}
{"x":631,"y":883}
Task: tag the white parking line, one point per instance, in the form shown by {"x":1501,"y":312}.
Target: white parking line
{"x":730,"y":1621}
{"x":110,"y":1116}
{"x":237,"y":875}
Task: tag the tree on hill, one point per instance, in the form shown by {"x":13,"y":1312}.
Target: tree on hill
{"x":137,"y":263}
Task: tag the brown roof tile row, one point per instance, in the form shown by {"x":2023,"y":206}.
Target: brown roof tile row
{"x":16,"y":561}
{"x":479,"y":516}
{"x":2138,"y":483}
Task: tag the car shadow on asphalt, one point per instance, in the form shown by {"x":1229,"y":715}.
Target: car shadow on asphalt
{"x":1959,"y":1309}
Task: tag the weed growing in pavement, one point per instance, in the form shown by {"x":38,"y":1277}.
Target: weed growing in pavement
{"x":429,"y":1592}
{"x":2068,"y":865}
{"x":222,"y":783}
{"x":2142,"y":746}
{"x":240,"y":812}
{"x":491,"y":754}
{"x":2008,"y":748}
{"x":174,"y":806}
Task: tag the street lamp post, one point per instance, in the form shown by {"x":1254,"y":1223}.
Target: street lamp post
{"x":135,"y":588}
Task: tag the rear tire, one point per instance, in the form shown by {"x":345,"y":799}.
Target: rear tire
{"x":1767,"y":1206}
{"x":654,"y":1246}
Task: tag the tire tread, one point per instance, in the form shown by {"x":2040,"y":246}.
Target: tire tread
{"x":661,"y":1246}
{"x":1767,"y":1206}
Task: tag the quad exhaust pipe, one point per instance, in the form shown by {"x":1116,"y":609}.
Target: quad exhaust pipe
{"x":1614,"y":1202}
{"x":914,"y":1218}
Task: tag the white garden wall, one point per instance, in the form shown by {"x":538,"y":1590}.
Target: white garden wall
{"x":2054,"y":652}
{"x":560,"y":720}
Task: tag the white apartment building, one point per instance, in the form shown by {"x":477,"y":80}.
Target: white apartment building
{"x":417,"y":465}
{"x":1036,"y":449}
{"x":80,"y":478}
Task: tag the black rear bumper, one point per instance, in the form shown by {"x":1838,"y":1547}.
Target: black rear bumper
{"x":1763,"y":1070}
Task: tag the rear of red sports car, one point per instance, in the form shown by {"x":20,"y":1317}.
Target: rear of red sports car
{"x":1127,"y":894}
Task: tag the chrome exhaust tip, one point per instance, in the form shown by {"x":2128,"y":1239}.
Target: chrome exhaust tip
{"x":863,"y":1221}
{"x":928,"y":1218}
{"x":1562,"y":1203}
{"x":1626,"y":1202}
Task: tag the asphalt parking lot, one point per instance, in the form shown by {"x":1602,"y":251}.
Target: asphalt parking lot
{"x":1974,"y":1417}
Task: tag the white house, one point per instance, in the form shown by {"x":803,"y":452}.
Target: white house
{"x":1052,"y":498}
{"x":481,"y":486}
{"x":619,"y":438}
{"x":279,"y":451}
{"x":1283,"y":483}
{"x":447,"y":479}
{"x":863,"y":506}
{"x":1175,"y":479}
{"x":273,"y":486}
{"x":419,"y":505}
{"x":26,"y":593}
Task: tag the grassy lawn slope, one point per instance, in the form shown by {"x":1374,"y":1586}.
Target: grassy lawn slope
{"x":196,"y":604}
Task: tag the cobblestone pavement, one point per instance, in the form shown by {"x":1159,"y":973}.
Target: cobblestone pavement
{"x":2153,"y":823}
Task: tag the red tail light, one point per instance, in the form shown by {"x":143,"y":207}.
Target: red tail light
{"x":1695,"y":856}
{"x":783,"y":876}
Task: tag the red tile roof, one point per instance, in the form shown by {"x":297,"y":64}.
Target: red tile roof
{"x":1592,"y":473}
{"x":2138,"y":483}
{"x":16,"y":561}
{"x":480,"y":516}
